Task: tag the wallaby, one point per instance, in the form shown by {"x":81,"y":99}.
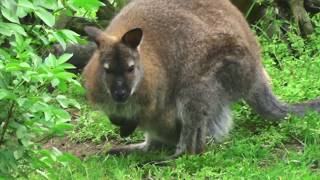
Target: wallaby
{"x":173,"y":68}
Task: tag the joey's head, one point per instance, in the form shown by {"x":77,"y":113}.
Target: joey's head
{"x":115,"y":69}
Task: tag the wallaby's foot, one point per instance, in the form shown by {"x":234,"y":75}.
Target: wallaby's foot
{"x":148,"y":144}
{"x":127,"y":149}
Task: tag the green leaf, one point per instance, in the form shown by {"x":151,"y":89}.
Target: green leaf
{"x":75,"y":103}
{"x":8,"y":29}
{"x":9,"y":11}
{"x":13,"y":67}
{"x":55,"y":82}
{"x":70,"y":35}
{"x":60,"y":128}
{"x":25,"y":65}
{"x":51,"y":61}
{"x":5,"y":94}
{"x":64,"y":58}
{"x":91,"y":5}
{"x":21,"y":132}
{"x":18,"y":154}
{"x":63,"y":115}
{"x":22,"y":12}
{"x":5,"y":30}
{"x":63,"y":101}
{"x":47,"y":116}
{"x":66,"y":102}
{"x":26,"y":4}
{"x":17,"y":28}
{"x":43,"y":38}
{"x":67,"y":66}
{"x":77,"y":83}
{"x":65,"y":75}
{"x":21,"y":101}
{"x":60,"y":39}
{"x":45,"y":16}
{"x":24,"y":7}
{"x":48,"y":4}
{"x":26,"y":142}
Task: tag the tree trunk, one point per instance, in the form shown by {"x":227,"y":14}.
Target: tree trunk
{"x":296,"y":9}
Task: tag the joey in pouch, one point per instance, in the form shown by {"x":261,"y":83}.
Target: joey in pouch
{"x":173,"y":69}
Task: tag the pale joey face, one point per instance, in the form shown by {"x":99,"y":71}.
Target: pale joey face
{"x":119,"y":63}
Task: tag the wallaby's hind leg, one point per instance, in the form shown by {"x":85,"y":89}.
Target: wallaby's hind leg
{"x":197,"y":106}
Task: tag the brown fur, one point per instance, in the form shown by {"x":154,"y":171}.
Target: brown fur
{"x":198,"y":57}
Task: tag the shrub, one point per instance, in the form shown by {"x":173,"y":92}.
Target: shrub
{"x":34,"y":84}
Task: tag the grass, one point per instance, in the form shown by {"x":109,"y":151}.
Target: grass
{"x":255,"y":149}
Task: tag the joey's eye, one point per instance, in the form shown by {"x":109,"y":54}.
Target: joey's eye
{"x":131,"y":69}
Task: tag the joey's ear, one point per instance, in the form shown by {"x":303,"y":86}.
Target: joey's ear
{"x":132,"y":38}
{"x":93,"y":33}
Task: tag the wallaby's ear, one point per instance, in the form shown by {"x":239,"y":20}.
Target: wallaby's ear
{"x":93,"y":33}
{"x":132,"y":38}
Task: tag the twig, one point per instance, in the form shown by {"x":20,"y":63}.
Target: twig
{"x":6,"y":122}
{"x":45,"y":139}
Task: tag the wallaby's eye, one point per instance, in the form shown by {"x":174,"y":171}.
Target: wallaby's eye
{"x":107,"y":68}
{"x":131,"y":69}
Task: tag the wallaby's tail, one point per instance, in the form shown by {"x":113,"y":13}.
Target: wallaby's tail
{"x":264,"y":102}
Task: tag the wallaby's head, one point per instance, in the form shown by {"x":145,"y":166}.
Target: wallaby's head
{"x":115,"y":69}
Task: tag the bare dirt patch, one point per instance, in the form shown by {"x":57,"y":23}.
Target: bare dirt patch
{"x":293,"y":144}
{"x":81,"y":150}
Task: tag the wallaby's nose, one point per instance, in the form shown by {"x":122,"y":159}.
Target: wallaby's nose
{"x":120,"y":95}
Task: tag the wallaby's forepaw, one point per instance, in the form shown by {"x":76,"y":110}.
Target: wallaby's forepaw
{"x":127,"y":126}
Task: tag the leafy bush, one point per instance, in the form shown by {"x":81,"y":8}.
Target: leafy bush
{"x":34,"y":83}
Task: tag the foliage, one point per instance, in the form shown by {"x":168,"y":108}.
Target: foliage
{"x":34,"y":85}
{"x":118,"y":4}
